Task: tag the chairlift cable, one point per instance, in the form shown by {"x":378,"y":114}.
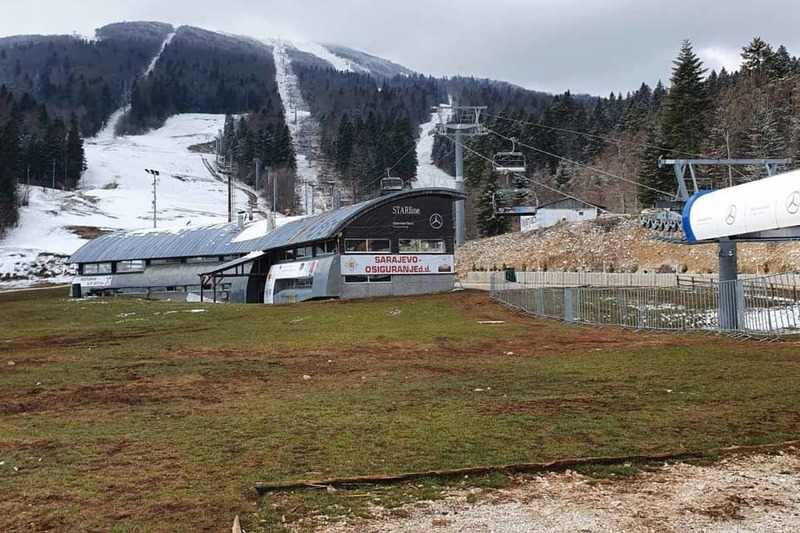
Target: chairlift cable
{"x":522,"y":177}
{"x":609,"y":139}
{"x":586,"y":166}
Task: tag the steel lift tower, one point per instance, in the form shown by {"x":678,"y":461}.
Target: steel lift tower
{"x":458,"y":123}
{"x":728,"y":267}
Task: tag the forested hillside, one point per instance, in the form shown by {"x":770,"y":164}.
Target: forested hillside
{"x":36,"y":148}
{"x":368,"y":126}
{"x":90,"y":78}
{"x":605,"y":150}
{"x":601,"y":149}
{"x":205,"y":72}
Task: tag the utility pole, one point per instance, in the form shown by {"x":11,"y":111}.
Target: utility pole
{"x":274,"y":180}
{"x":229,"y":170}
{"x":230,"y":199}
{"x":258,"y":175}
{"x":458,"y":123}
{"x":155,"y":174}
{"x":54,"y":173}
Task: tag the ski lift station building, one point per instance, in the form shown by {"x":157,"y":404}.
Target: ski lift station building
{"x":398,"y":244}
{"x":565,"y":210}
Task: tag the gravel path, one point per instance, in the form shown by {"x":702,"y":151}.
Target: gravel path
{"x":758,"y":493}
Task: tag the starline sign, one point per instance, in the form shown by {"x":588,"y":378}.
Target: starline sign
{"x":363,"y":264}
{"x":405,"y":210}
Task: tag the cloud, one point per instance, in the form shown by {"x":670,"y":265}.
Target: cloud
{"x":715,"y":58}
{"x":587,"y":46}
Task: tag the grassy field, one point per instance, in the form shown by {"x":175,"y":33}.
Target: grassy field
{"x":123,"y":415}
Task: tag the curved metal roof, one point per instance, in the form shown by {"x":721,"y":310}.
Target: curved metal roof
{"x":229,"y":239}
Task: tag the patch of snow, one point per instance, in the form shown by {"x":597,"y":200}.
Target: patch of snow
{"x":254,"y":230}
{"x":85,"y":38}
{"x":428,"y":174}
{"x":315,"y":49}
{"x":152,"y":64}
{"x":116,"y":193}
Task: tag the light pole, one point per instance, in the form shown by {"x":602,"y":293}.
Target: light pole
{"x":154,"y":173}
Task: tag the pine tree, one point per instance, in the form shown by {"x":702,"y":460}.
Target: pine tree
{"x":344,"y":142}
{"x":687,"y":104}
{"x":758,"y":57}
{"x":763,"y":139}
{"x":9,"y":170}
{"x":564,"y":174}
{"x":651,"y":176}
{"x":76,"y":162}
{"x":782,"y":62}
{"x":659,"y":94}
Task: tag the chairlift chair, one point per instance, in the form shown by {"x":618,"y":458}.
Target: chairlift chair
{"x":391,"y":183}
{"x":514,"y":202}
{"x":512,"y":162}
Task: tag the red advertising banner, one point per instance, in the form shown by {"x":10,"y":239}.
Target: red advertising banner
{"x":365,"y":264}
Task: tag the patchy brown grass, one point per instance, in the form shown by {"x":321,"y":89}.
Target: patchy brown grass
{"x":126,"y":415}
{"x":86,"y":232}
{"x":202,"y":148}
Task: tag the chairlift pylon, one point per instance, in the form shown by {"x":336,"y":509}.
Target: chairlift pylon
{"x":512,"y":162}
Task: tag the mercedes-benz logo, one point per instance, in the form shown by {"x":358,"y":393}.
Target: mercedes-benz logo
{"x":436,"y":221}
{"x":793,"y":202}
{"x":730,"y":215}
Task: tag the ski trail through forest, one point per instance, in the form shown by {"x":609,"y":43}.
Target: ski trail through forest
{"x":304,"y":132}
{"x":428,"y":174}
{"x":107,"y":134}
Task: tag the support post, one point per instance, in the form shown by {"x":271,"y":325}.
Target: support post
{"x":679,"y":172}
{"x":728,"y":276}
{"x":459,"y":124}
{"x":230,"y":200}
{"x":155,"y":174}
{"x":460,"y":209}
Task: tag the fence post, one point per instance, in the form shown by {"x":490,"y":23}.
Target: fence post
{"x":740,"y":305}
{"x":569,"y":311}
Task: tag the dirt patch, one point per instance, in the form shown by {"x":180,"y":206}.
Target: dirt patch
{"x":86,"y":232}
{"x":745,"y":493}
{"x":38,"y":445}
{"x":92,"y":339}
{"x":563,"y":405}
{"x":203,"y":148}
{"x":183,"y":388}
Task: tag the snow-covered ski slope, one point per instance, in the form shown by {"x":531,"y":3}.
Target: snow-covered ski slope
{"x":340,"y":58}
{"x":339,"y":63}
{"x":303,"y":129}
{"x":116,"y":193}
{"x":428,"y":174}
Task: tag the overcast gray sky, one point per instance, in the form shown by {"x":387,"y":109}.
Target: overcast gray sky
{"x":586,"y":46}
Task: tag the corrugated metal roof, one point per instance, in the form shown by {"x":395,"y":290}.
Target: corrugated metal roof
{"x":252,"y":256}
{"x":569,"y":203}
{"x":221,"y":239}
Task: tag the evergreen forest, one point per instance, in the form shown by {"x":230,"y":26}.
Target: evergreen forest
{"x":600,"y":149}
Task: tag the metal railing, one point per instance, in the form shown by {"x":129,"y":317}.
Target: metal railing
{"x":758,"y":306}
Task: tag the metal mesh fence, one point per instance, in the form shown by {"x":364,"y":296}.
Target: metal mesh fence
{"x":765,"y":306}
